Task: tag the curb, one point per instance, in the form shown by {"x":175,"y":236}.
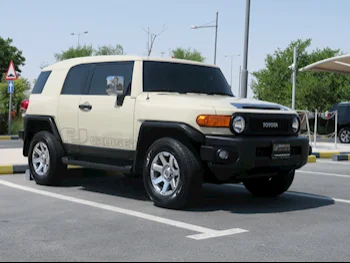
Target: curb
{"x":22,"y":168}
{"x":312,"y":159}
{"x":341,"y":157}
{"x":13,"y":169}
{"x":9,"y":138}
{"x":322,"y":137}
{"x":328,"y":155}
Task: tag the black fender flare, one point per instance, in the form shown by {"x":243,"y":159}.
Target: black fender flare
{"x":149,"y":127}
{"x":29,"y":125}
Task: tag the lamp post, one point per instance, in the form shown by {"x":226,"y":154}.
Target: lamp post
{"x":216,"y":32}
{"x":245,"y":60}
{"x":79,"y":34}
{"x":232,"y":64}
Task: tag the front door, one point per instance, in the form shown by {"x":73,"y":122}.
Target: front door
{"x":109,"y":127}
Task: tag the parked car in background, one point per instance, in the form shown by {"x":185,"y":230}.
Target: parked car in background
{"x":326,"y":122}
{"x":343,"y":110}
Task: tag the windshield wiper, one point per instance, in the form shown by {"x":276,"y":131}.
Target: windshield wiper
{"x":220,"y":93}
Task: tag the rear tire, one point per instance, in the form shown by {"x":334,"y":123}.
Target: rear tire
{"x":270,"y":186}
{"x":45,"y":159}
{"x":172,"y":174}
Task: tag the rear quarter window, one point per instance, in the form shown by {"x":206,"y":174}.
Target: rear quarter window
{"x":41,"y":81}
{"x":76,"y":80}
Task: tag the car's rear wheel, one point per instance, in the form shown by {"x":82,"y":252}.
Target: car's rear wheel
{"x":344,"y":135}
{"x":172,"y":174}
{"x":270,"y":186}
{"x":45,"y":159}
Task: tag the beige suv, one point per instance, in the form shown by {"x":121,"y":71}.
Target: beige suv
{"x":176,"y":123}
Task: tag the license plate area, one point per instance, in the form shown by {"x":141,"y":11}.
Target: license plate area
{"x":281,"y":151}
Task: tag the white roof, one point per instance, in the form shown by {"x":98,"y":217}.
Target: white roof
{"x":340,"y":65}
{"x":65,"y":64}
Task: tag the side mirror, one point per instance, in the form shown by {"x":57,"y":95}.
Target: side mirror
{"x":120,"y":91}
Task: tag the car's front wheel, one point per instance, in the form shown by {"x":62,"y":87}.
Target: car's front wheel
{"x":344,"y":135}
{"x":45,"y":159}
{"x":270,"y":186}
{"x":172,"y":174}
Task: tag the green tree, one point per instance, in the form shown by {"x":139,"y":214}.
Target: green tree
{"x":21,"y":86}
{"x":313,"y":90}
{"x":9,"y":52}
{"x":188,"y":54}
{"x":75,"y":52}
{"x":110,"y":50}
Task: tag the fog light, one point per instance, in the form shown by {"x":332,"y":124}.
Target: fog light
{"x":223,"y":155}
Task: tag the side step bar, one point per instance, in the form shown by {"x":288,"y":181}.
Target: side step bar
{"x":98,"y":166}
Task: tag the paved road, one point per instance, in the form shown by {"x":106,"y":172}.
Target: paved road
{"x":110,"y":218}
{"x":11,"y":144}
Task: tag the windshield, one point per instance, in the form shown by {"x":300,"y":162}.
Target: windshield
{"x":184,"y":78}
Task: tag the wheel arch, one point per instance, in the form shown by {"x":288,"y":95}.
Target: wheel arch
{"x":151,"y":131}
{"x":34,"y":124}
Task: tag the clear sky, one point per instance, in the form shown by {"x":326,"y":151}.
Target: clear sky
{"x":41,"y":27}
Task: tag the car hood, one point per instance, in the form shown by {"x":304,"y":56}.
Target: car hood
{"x":219,"y":103}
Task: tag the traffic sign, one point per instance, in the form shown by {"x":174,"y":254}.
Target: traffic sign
{"x":11,"y":72}
{"x":11,"y":87}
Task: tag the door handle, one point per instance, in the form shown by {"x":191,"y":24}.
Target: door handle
{"x":85,"y":107}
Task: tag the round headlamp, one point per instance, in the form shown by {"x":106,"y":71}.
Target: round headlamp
{"x":238,"y":124}
{"x":296,"y":124}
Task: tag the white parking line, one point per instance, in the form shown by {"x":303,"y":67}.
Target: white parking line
{"x":325,"y":174}
{"x":338,"y":200}
{"x":205,"y":233}
{"x":333,"y":162}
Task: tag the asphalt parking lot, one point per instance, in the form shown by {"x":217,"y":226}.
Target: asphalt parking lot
{"x":11,"y":144}
{"x":93,"y":217}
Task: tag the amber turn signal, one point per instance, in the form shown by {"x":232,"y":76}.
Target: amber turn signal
{"x":214,"y":121}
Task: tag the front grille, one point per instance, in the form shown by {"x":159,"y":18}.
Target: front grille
{"x":256,"y":125}
{"x":275,"y":124}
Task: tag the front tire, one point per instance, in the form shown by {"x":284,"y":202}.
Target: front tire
{"x":45,"y":159}
{"x":172,"y":174}
{"x":270,"y":186}
{"x":344,"y":135}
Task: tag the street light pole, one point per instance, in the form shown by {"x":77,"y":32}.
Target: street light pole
{"x":294,"y":77}
{"x":232,"y":65}
{"x":79,"y":34}
{"x":245,"y":60}
{"x":240,"y":82}
{"x":216,"y":33}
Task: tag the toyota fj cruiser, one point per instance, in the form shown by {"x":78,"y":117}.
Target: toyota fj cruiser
{"x":176,"y":123}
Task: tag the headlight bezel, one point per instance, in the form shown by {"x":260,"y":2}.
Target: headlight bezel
{"x":238,"y":119}
{"x":296,"y":121}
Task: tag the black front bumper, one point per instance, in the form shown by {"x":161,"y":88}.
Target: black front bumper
{"x":252,"y":156}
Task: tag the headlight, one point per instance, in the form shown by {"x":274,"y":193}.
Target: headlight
{"x":295,"y":125}
{"x":238,"y":124}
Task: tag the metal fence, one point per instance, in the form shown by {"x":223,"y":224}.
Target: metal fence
{"x":319,"y":125}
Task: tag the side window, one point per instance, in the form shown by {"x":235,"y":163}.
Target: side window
{"x":40,"y":82}
{"x":110,"y":77}
{"x":341,"y":111}
{"x":76,"y":80}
